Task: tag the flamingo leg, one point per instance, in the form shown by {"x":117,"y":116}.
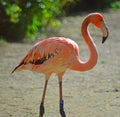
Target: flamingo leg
{"x":61,"y":102}
{"x":42,"y":110}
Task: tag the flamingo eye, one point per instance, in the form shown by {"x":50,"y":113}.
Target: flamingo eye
{"x":101,"y":20}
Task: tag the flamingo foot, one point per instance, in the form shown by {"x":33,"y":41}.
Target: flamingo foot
{"x":42,"y":110}
{"x":62,"y":112}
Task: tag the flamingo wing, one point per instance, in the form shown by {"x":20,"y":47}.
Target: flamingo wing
{"x":40,"y":53}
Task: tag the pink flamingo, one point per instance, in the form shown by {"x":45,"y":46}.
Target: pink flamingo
{"x":56,"y":54}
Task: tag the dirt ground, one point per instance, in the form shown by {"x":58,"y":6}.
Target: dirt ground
{"x":95,"y":93}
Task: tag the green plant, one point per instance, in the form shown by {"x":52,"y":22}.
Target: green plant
{"x":115,"y":5}
{"x":14,"y":11}
{"x":24,"y":18}
{"x":103,"y":62}
{"x":20,"y":18}
{"x":2,"y":40}
{"x":44,"y":14}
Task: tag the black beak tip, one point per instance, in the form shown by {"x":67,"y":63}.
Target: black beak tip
{"x":103,"y":40}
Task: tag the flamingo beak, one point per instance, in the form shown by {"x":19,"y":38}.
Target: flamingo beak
{"x":104,"y":39}
{"x":104,"y":30}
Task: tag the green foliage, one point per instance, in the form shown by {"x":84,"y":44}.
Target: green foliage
{"x":2,"y":40}
{"x":103,"y":62}
{"x":44,"y":13}
{"x":115,"y":5}
{"x":20,"y":18}
{"x":28,"y":16}
{"x":14,"y":11}
{"x":87,"y":5}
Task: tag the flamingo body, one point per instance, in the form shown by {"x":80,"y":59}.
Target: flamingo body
{"x":52,"y":55}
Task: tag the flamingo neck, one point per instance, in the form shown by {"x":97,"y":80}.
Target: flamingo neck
{"x":91,"y":62}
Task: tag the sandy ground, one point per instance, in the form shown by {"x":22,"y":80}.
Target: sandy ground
{"x":95,"y":93}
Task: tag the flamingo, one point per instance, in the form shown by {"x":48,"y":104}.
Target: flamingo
{"x":57,"y":54}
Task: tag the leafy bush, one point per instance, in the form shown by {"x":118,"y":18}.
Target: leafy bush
{"x":87,"y":5}
{"x":44,"y":14}
{"x":20,"y":18}
{"x":26,"y":17}
{"x":115,"y":5}
{"x":14,"y":11}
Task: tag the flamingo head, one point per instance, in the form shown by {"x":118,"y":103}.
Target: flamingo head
{"x":98,"y":20}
